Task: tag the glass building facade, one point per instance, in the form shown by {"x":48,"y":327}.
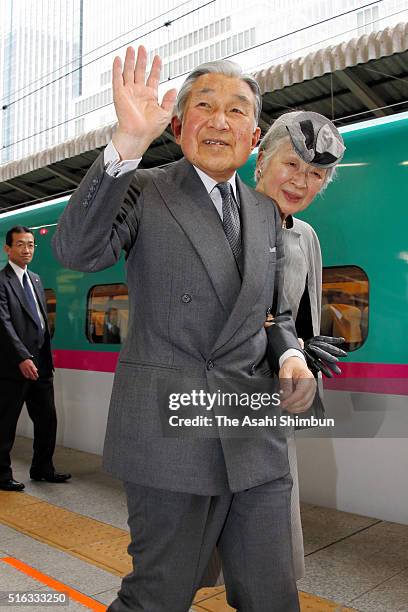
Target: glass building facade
{"x":56,"y":55}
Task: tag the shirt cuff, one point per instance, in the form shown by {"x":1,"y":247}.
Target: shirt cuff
{"x":291,"y":353}
{"x":113,"y":165}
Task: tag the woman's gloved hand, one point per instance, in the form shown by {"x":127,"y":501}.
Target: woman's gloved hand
{"x":322,"y":354}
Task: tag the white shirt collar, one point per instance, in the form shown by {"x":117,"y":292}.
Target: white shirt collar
{"x":210,"y":183}
{"x":19,"y":271}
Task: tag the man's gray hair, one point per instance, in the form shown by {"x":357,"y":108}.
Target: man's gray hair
{"x":228,"y":69}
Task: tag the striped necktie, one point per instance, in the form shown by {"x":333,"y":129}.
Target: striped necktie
{"x":230,"y":220}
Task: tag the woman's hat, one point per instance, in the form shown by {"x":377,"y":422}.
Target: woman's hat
{"x":314,"y":137}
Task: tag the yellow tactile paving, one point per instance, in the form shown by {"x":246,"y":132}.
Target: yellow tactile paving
{"x":106,"y":546}
{"x":205,"y":593}
{"x":110,"y":554}
{"x":308,"y":603}
{"x":311,"y":603}
{"x":9,"y":500}
{"x":56,"y":525}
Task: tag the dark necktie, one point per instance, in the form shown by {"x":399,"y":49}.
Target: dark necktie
{"x":230,"y":220}
{"x":31,"y":301}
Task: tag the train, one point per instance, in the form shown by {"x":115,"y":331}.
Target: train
{"x":361,"y":220}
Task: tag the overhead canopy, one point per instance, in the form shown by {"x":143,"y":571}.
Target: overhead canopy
{"x":361,"y":79}
{"x":343,"y":81}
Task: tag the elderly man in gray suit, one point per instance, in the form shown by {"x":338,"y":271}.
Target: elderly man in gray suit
{"x":202,"y":250}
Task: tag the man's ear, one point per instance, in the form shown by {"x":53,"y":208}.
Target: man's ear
{"x":176,"y":126}
{"x":255,"y":137}
{"x":6,"y":248}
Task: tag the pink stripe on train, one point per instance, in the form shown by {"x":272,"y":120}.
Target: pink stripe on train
{"x":381,"y":378}
{"x":360,"y":377}
{"x":95,"y":361}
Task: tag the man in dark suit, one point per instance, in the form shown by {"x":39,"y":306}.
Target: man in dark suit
{"x":202,"y":250}
{"x":26,"y":368}
{"x":111,"y":330}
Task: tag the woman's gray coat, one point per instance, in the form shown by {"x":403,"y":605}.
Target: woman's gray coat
{"x":303,"y":266}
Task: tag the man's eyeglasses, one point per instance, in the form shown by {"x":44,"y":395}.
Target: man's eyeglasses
{"x":22,"y":245}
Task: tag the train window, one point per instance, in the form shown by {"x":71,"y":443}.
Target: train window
{"x":345,"y":305}
{"x":51,"y":302}
{"x":108,"y":313}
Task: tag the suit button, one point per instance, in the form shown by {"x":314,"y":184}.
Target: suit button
{"x":186,"y":298}
{"x":210,"y":364}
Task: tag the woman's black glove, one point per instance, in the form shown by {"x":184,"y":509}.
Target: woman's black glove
{"x":322,"y":354}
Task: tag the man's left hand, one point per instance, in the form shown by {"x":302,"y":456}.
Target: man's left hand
{"x":298,"y":385}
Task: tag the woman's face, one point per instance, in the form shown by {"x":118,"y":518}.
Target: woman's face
{"x":288,"y":180}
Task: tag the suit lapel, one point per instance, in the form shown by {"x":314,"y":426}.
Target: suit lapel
{"x":255,"y":240}
{"x":188,"y":201}
{"x":19,"y":291}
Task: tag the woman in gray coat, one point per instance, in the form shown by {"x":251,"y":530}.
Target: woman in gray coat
{"x":296,"y":161}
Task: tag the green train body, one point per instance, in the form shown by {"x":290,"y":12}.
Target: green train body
{"x":360,"y":220}
{"x":71,"y":288}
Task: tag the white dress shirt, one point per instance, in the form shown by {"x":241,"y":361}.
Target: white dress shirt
{"x":20,"y":273}
{"x":213,"y":192}
{"x":115,"y":167}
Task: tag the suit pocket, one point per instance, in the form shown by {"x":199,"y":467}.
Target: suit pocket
{"x":136,"y":398}
{"x":148,"y":365}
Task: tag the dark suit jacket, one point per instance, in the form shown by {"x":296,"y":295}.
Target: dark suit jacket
{"x":19,"y":336}
{"x":190,"y":316}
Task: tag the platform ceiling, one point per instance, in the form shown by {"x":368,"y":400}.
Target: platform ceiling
{"x":361,"y":79}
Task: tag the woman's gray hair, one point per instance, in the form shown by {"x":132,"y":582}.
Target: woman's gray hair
{"x":276,"y":137}
{"x":228,"y":69}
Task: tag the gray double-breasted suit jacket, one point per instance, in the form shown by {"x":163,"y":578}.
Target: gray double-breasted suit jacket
{"x":190,"y":314}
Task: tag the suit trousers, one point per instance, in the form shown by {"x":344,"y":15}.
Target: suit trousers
{"x":214,"y":575}
{"x":39,"y":398}
{"x":173,"y":535}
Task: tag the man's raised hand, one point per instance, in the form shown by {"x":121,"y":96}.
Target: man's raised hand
{"x":141,"y":118}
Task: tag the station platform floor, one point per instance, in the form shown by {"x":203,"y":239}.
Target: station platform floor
{"x":72,"y":538}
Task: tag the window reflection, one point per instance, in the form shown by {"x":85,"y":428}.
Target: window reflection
{"x":345,"y":305}
{"x":108,"y":314}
